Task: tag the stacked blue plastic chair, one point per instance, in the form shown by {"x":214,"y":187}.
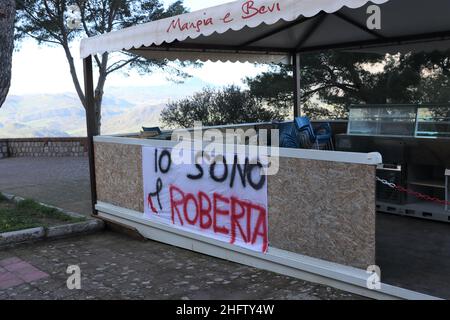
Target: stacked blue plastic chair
{"x":301,"y":134}
{"x":321,"y":136}
{"x":288,"y":135}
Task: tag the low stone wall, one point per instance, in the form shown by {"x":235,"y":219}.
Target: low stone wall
{"x":43,"y":147}
{"x":3,"y":149}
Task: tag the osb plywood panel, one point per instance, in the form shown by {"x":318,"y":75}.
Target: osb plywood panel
{"x":324,"y":210}
{"x":119,"y":175}
{"x":320,"y":209}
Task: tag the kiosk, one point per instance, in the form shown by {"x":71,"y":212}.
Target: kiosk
{"x":316,"y":215}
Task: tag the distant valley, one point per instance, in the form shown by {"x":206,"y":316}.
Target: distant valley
{"x":125,"y":110}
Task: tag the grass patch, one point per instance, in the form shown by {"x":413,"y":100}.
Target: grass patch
{"x":3,"y":198}
{"x":28,"y":214}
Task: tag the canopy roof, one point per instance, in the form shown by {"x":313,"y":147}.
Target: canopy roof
{"x":271,"y":30}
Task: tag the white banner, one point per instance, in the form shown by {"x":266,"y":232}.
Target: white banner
{"x":224,"y":199}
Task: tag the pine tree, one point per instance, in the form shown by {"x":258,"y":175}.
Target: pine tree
{"x":7,"y":14}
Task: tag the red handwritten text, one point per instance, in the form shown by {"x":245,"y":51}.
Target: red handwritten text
{"x":230,"y":216}
{"x":227,"y":18}
{"x":195,"y":25}
{"x":250,"y":10}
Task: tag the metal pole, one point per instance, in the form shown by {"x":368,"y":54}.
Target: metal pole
{"x":447,"y":189}
{"x":90,"y":124}
{"x":297,"y":96}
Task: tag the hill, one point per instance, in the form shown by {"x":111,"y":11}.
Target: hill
{"x":124,"y":110}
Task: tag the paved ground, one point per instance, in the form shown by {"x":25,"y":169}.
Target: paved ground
{"x":62,"y":182}
{"x":114,"y":266}
{"x":414,"y":254}
{"x":15,"y":271}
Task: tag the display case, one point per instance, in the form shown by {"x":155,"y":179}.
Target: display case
{"x":382,"y":120}
{"x":414,"y":141}
{"x":400,"y":120}
{"x":433,"y":122}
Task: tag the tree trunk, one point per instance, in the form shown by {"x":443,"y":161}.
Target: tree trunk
{"x":7,"y":16}
{"x":98,"y":112}
{"x":99,"y":92}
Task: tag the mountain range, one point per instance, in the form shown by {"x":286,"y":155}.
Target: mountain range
{"x":124,"y":110}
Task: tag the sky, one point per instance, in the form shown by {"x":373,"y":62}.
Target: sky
{"x":44,"y":69}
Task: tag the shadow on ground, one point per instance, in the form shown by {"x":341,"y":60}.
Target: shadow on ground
{"x":414,"y":254}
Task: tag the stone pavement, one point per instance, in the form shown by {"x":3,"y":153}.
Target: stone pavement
{"x":114,"y":266}
{"x":14,"y":271}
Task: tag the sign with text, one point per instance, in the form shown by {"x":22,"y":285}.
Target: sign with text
{"x":249,"y":10}
{"x":223,"y":197}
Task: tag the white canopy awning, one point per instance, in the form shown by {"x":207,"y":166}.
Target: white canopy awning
{"x":271,"y":30}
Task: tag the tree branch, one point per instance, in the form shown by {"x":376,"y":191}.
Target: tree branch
{"x":47,"y":8}
{"x":39,"y":23}
{"x":42,"y":39}
{"x":86,"y":29}
{"x":73,"y":73}
{"x":120,"y":64}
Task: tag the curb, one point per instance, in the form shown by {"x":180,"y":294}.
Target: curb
{"x":21,"y":236}
{"x":89,"y":226}
{"x":13,"y":238}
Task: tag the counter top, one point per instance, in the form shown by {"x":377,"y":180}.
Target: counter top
{"x":373,"y":158}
